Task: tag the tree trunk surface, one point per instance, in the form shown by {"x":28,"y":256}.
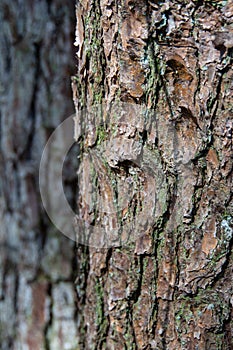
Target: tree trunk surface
{"x":154,"y":123}
{"x":37,"y":263}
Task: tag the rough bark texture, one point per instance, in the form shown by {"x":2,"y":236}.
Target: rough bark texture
{"x":37,"y":264}
{"x":170,"y":288}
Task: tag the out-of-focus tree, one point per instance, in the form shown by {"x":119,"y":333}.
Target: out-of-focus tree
{"x":37,"y":263}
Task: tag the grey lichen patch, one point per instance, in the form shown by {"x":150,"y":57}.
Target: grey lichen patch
{"x":209,"y":309}
{"x":227,"y":227}
{"x":224,"y":240}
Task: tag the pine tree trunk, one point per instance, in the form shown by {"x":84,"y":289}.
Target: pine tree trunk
{"x":37,"y":263}
{"x":155,"y":176}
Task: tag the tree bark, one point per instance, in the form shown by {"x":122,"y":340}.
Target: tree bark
{"x":156,"y":272}
{"x":37,"y":268}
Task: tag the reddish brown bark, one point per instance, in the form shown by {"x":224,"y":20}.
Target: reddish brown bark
{"x":171,"y":287}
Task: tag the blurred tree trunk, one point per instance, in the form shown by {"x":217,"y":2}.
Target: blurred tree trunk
{"x":37,"y":264}
{"x":162,"y":142}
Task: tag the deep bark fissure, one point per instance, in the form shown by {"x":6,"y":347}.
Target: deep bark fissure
{"x":50,"y":319}
{"x":26,"y":153}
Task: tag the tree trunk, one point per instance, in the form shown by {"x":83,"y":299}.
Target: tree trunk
{"x":154,"y":123}
{"x":37,"y":268}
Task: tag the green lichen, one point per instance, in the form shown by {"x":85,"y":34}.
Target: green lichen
{"x":101,"y":134}
{"x":153,"y":74}
{"x":101,"y":320}
{"x":129,"y":341}
{"x":80,"y":90}
{"x":95,"y":54}
{"x":184,"y":314}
